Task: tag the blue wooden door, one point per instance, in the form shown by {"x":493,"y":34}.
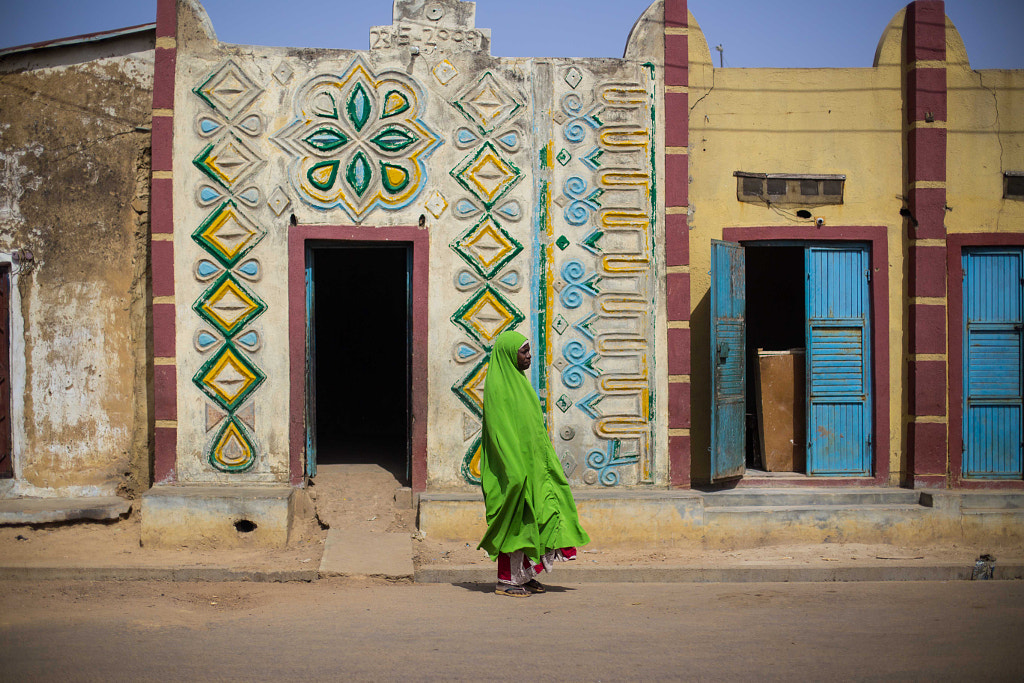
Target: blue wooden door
{"x":310,"y":408}
{"x":838,"y":361}
{"x":728,"y":364}
{"x":992,"y":363}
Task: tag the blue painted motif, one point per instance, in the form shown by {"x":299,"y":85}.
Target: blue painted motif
{"x":606,"y":462}
{"x":204,"y":340}
{"x":578,"y":211}
{"x":580,"y":363}
{"x":208,"y":126}
{"x":464,"y":208}
{"x":588,"y":404}
{"x":573,"y":272}
{"x":250,"y":269}
{"x":511,"y":278}
{"x":207,"y":269}
{"x":509,"y":139}
{"x":511,"y":210}
{"x":208,"y":195}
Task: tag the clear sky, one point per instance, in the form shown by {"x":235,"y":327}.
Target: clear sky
{"x":782,"y":33}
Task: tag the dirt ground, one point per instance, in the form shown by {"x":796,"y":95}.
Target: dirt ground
{"x":363,"y":497}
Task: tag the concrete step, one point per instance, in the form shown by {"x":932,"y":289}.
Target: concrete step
{"x":21,"y":511}
{"x":985,"y":500}
{"x":351,"y":552}
{"x":816,"y":498}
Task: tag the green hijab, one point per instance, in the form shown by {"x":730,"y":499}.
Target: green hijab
{"x":529,"y":503}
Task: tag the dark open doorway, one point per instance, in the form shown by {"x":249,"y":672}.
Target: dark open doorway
{"x":360,"y":355}
{"x":776,"y":322}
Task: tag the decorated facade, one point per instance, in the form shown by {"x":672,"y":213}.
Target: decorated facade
{"x":654,"y":225}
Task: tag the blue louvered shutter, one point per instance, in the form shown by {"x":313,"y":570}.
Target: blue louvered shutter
{"x":992,"y":363}
{"x":728,"y":365}
{"x":838,"y":361}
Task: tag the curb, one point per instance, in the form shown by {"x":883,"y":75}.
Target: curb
{"x":154,"y":574}
{"x":1009,"y":571}
{"x":747,"y":574}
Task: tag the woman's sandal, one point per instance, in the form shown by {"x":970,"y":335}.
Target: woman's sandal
{"x":511,"y":591}
{"x":534,"y":586}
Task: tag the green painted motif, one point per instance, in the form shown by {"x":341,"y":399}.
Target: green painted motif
{"x":562,"y":242}
{"x":394,"y":104}
{"x":471,"y":463}
{"x":228,"y":305}
{"x":487,"y":247}
{"x":564,"y":157}
{"x":394,"y":139}
{"x":359,"y":173}
{"x":322,"y":175}
{"x":468,"y":389}
{"x":201,"y":162}
{"x":227,"y":234}
{"x":487,"y":174}
{"x":228,"y":377}
{"x":358,"y":107}
{"x":326,"y":139}
{"x":591,"y":240}
{"x":394,"y":178}
{"x":232,"y":449}
{"x":486,"y":315}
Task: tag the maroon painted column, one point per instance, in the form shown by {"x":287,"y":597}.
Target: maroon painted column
{"x":925,"y":107}
{"x":161,"y":242}
{"x":677,"y":239}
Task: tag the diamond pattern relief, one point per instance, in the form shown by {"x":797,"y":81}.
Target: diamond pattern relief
{"x":228,"y":234}
{"x":487,"y":174}
{"x":228,"y":90}
{"x":487,"y":247}
{"x":486,"y":315}
{"x":228,"y":378}
{"x":470,"y":389}
{"x":488,"y":103}
{"x":227,"y":160}
{"x":228,"y":306}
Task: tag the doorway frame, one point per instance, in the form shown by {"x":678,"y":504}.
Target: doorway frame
{"x":955,"y":244}
{"x":877,"y":239}
{"x":418,"y":241}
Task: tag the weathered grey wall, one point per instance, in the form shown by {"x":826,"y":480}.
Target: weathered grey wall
{"x":74,"y":163}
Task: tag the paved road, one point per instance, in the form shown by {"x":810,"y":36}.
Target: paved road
{"x":343,"y":630}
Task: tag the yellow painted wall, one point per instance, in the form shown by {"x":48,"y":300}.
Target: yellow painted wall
{"x":984,"y":139}
{"x":818,"y":121}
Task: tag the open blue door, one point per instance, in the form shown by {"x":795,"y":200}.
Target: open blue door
{"x":838,"y":361}
{"x":310,"y":368}
{"x":992,"y":363}
{"x":728,"y":360}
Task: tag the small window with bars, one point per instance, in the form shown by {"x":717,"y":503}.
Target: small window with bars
{"x":799,"y":189}
{"x":1013,"y":185}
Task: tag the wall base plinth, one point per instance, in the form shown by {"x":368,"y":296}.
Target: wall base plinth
{"x":219,"y":516}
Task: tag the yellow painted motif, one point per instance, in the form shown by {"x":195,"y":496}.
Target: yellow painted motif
{"x":228,"y":233}
{"x":232,"y":451}
{"x":228,"y":378}
{"x":489,"y":245}
{"x":229,"y":305}
{"x":490,"y":175}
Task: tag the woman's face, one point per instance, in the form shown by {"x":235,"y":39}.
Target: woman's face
{"x":524,"y":357}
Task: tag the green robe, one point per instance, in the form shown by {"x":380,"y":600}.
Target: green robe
{"x":529,"y":503}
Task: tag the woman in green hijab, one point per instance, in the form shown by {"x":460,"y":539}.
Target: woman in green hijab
{"x":531,"y":517}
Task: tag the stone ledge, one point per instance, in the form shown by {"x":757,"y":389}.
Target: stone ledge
{"x":24,"y":511}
